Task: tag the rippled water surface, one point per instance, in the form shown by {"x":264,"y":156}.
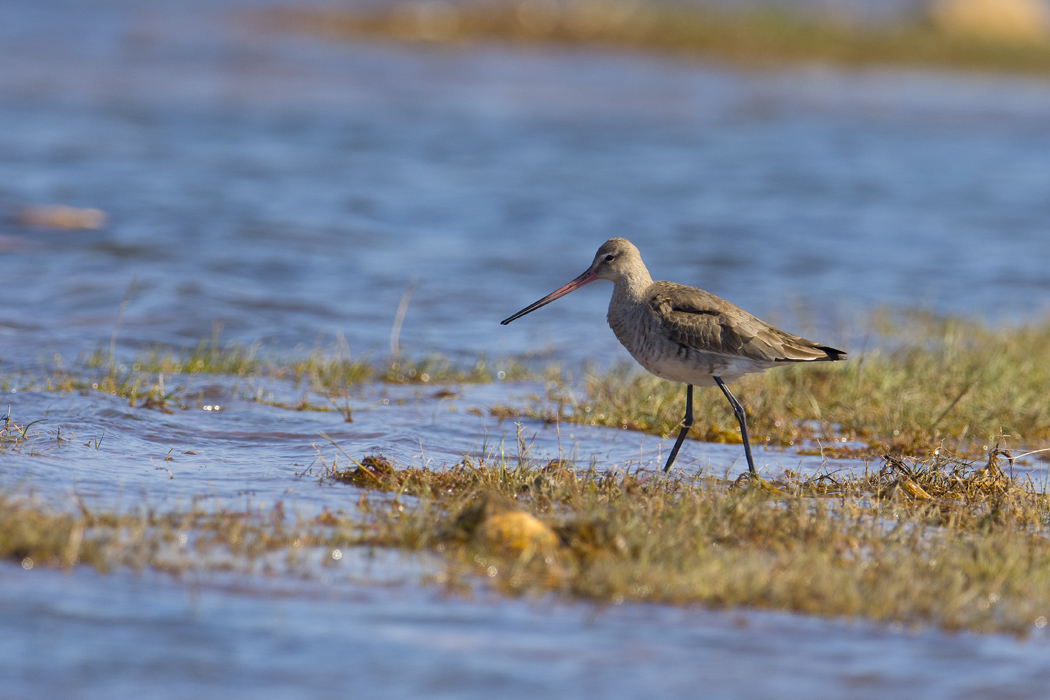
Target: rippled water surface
{"x":288,"y":191}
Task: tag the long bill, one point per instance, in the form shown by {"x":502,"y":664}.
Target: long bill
{"x":585,"y":278}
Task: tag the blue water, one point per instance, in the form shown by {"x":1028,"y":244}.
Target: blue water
{"x":286,"y":190}
{"x":290,"y":190}
{"x":151,"y":638}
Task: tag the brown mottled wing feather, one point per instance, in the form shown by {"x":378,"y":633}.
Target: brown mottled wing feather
{"x":701,"y":321}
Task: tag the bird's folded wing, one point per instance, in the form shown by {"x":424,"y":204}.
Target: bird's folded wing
{"x":706,"y":323}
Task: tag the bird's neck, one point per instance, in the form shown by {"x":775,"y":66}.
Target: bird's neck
{"x":632,"y":286}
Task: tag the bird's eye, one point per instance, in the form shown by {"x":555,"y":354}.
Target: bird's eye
{"x":610,"y":257}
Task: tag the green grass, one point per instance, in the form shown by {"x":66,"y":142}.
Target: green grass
{"x":324,"y":370}
{"x":761,"y":37}
{"x":156,"y":377}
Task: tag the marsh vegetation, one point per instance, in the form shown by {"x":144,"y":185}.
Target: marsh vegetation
{"x":942,"y":542}
{"x":970,"y":38}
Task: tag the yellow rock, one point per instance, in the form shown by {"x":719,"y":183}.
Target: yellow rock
{"x":1017,"y":21}
{"x":517,"y":530}
{"x":499,"y":523}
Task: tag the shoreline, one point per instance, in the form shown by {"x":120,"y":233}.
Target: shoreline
{"x":762,"y":38}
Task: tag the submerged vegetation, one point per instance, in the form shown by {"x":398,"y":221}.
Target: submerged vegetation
{"x":12,"y":435}
{"x":940,"y":542}
{"x":156,"y":378}
{"x":323,"y":370}
{"x":966,"y":34}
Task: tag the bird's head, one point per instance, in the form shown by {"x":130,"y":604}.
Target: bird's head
{"x":617,"y":259}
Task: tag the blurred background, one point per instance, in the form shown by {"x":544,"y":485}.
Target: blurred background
{"x":285,"y":172}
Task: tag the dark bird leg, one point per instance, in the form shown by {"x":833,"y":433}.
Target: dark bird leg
{"x":686,"y":423}
{"x":741,"y":419}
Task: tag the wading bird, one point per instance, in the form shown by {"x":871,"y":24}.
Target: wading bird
{"x":685,"y":334}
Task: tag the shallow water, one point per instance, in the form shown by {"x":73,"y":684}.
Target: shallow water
{"x":260,"y":639}
{"x":265,"y":639}
{"x":288,"y":191}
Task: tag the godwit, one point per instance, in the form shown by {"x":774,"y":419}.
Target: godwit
{"x":685,"y":334}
